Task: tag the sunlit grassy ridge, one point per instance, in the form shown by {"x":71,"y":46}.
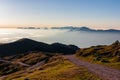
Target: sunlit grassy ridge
{"x":28,"y":58}
{"x":56,"y":68}
{"x":8,"y":68}
{"x":108,"y":55}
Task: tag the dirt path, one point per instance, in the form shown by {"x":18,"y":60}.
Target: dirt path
{"x":36,"y":65}
{"x":23,"y":64}
{"x":103,"y":72}
{"x":13,"y":62}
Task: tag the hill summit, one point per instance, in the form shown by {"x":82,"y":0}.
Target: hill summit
{"x":27,"y":45}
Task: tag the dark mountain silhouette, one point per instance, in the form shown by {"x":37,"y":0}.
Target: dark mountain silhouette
{"x":27,"y":45}
{"x":63,"y":48}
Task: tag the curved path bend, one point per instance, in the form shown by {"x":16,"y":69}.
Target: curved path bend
{"x":13,"y":62}
{"x":103,"y":72}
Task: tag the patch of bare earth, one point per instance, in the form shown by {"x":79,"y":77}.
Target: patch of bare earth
{"x":103,"y":72}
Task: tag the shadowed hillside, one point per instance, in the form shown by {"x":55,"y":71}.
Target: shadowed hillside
{"x":27,"y":45}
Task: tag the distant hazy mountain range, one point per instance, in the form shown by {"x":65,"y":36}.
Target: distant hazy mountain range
{"x":87,"y":29}
{"x":71,"y":28}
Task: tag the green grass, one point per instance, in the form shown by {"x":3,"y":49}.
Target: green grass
{"x":30,"y":58}
{"x":108,"y":55}
{"x":56,"y":70}
{"x":91,"y":59}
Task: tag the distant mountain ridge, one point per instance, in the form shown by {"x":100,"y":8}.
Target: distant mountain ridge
{"x":86,"y":29}
{"x":27,"y":45}
{"x":72,"y":28}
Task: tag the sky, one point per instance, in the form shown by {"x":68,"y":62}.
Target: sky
{"x":98,"y":14}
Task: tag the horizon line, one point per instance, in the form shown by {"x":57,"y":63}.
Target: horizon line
{"x":60,"y":26}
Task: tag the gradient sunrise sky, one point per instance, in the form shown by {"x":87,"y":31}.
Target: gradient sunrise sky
{"x":102,"y":14}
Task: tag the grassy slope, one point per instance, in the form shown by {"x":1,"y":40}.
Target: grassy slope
{"x":31,"y":59}
{"x":106,"y":55}
{"x":55,"y":70}
{"x":91,"y":59}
